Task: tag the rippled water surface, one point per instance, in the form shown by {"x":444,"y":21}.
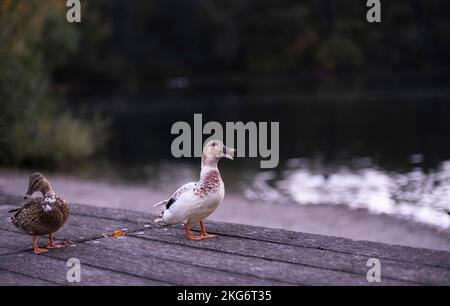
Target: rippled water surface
{"x":415,"y":194}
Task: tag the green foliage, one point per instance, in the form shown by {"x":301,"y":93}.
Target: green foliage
{"x":35,"y":125}
{"x":152,"y":40}
{"x":340,"y":52}
{"x":132,"y":48}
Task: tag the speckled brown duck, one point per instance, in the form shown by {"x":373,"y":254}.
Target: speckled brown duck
{"x":42,"y":215}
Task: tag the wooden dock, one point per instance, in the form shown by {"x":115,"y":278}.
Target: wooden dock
{"x":241,"y":255}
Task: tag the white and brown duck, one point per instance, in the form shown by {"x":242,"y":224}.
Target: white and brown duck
{"x":42,"y":215}
{"x":194,"y":202}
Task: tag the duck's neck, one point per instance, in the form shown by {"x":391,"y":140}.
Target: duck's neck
{"x":210,"y":179}
{"x":48,"y":191}
{"x":208,"y":165}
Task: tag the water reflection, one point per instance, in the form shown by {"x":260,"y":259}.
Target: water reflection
{"x":415,"y":194}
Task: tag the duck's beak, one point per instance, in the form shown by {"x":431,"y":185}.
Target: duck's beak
{"x":28,"y":194}
{"x":228,"y":152}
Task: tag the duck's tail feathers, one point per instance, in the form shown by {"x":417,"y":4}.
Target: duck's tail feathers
{"x":160,"y":221}
{"x":161,"y":203}
{"x":13,"y":210}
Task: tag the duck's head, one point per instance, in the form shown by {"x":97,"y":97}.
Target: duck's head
{"x":38,"y":182}
{"x":215,"y":150}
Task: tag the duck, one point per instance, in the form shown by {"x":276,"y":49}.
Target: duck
{"x":193,"y":202}
{"x":41,"y":215}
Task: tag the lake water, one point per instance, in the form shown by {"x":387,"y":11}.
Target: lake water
{"x":423,"y":196}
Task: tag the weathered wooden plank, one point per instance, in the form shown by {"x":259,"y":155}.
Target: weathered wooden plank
{"x":19,"y":246}
{"x":15,"y":279}
{"x":172,"y":272}
{"x":12,"y":244}
{"x":337,"y":244}
{"x":225,"y":244}
{"x":133,"y":263}
{"x":307,"y":275}
{"x":5,"y":250}
{"x":252,"y":255}
{"x":343,"y":245}
{"x":234,"y":263}
{"x":22,"y":261}
{"x":52,"y":269}
{"x":324,"y":259}
{"x":306,"y":256}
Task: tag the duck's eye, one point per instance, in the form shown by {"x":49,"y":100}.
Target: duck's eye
{"x":213,"y":144}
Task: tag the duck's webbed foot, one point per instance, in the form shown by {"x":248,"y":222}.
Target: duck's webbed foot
{"x":189,"y":234}
{"x":203,"y":233}
{"x":195,"y":237}
{"x":52,"y":244}
{"x":37,"y":250}
{"x":203,"y":236}
{"x":55,"y":246}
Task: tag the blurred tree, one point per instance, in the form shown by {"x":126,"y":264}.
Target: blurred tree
{"x":35,"y":126}
{"x":340,"y":53}
{"x":135,"y":46}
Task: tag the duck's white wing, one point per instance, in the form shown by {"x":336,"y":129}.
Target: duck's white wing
{"x":186,"y":188}
{"x":187,"y":205}
{"x":180,"y":205}
{"x":176,"y":194}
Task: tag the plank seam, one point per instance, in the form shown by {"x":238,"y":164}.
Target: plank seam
{"x":282,"y":261}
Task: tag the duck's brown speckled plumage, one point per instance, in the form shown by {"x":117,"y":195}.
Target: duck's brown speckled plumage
{"x":208,"y":184}
{"x":41,"y":216}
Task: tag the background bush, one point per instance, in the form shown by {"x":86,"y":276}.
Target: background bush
{"x":36,"y":126}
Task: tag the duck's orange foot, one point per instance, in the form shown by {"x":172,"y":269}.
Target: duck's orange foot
{"x":203,"y":232}
{"x":205,"y":235}
{"x":51,"y":243}
{"x":195,"y":237}
{"x":189,"y":234}
{"x":39,"y":250}
{"x":55,"y":246}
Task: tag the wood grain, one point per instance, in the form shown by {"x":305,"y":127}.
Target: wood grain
{"x":240,"y":255}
